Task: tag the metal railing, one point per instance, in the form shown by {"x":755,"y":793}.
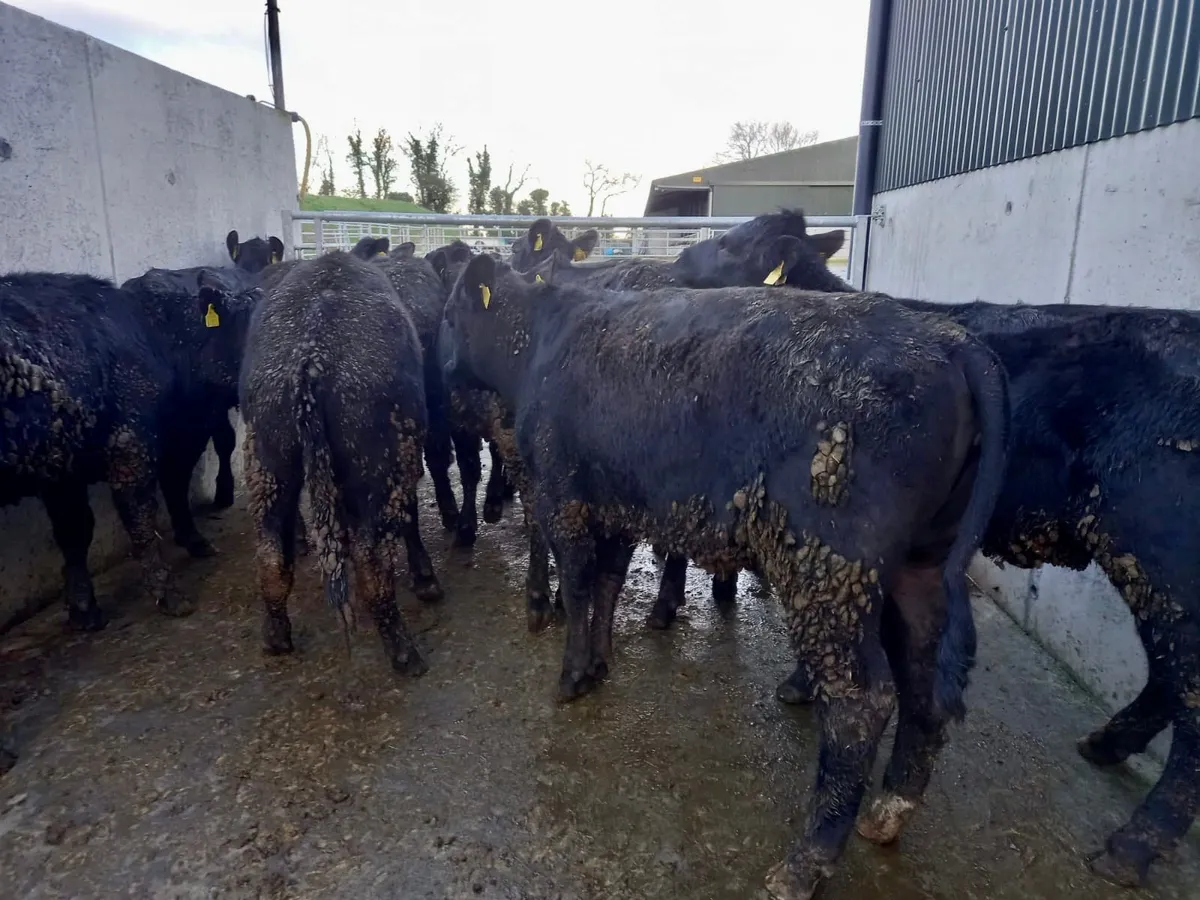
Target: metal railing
{"x":649,"y":237}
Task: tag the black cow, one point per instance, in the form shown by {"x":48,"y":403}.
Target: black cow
{"x":849,"y":450}
{"x":614,"y":274}
{"x":333,"y":394}
{"x":545,"y":241}
{"x":99,"y":383}
{"x":1106,"y":429}
{"x":470,"y":415}
{"x":254,"y":255}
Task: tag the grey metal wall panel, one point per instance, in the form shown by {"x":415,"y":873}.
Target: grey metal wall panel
{"x":972,"y":85}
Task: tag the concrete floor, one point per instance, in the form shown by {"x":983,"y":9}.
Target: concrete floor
{"x":172,"y":759}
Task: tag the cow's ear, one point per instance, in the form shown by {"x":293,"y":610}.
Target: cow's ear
{"x":828,"y":243}
{"x":438,"y":260}
{"x":276,"y":249}
{"x":405,"y":250}
{"x":213,"y":306}
{"x":539,"y":233}
{"x":785,"y":252}
{"x":381,"y":247}
{"x":231,"y":244}
{"x":582,"y":246}
{"x":479,"y":280}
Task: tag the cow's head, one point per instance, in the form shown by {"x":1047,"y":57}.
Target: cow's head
{"x":371,"y":247}
{"x":486,"y":325}
{"x":255,"y":254}
{"x":544,"y":240}
{"x":224,"y":313}
{"x":773,"y":249}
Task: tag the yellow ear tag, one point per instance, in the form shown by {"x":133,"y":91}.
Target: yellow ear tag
{"x":234,"y":252}
{"x":380,"y":253}
{"x":539,"y":279}
{"x":580,"y":254}
{"x":274,"y":258}
{"x":211,"y":319}
{"x":486,"y":293}
{"x":537,"y":244}
{"x":776,"y":274}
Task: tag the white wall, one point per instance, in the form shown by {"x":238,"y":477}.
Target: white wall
{"x":1117,"y":222}
{"x":112,"y":164}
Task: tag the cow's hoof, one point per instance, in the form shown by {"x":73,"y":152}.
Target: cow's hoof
{"x":449,"y":519}
{"x":1111,"y":867}
{"x":277,"y":636}
{"x":175,"y":604}
{"x":793,"y":694}
{"x":660,"y":618}
{"x":724,"y":594}
{"x":410,"y":663}
{"x":598,"y":670}
{"x":428,"y":591}
{"x":196,"y":545}
{"x":883,"y":822}
{"x":1096,"y":750}
{"x":223,"y":498}
{"x":539,"y":616}
{"x":573,"y":685}
{"x":465,"y":536}
{"x":784,"y":884}
{"x":90,"y":619}
{"x":493,"y":511}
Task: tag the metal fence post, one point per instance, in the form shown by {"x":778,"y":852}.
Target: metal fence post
{"x":857,"y":266}
{"x":318,"y":237}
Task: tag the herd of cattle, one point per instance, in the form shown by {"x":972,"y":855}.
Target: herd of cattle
{"x":740,"y":407}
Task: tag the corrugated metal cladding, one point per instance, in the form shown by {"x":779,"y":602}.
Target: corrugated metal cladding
{"x":978,"y":83}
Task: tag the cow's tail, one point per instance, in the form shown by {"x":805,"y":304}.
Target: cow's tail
{"x":323,"y":491}
{"x":956,"y":650}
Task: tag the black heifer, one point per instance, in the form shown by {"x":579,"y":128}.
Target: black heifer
{"x":254,"y":255}
{"x":616,"y":274}
{"x":545,"y":241}
{"x":1106,"y":429}
{"x":102,"y":384}
{"x":209,"y":409}
{"x":849,"y":450}
{"x":333,"y":394}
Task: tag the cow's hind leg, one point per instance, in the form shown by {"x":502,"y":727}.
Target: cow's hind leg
{"x":73,"y":523}
{"x":911,"y":628}
{"x":133,"y":478}
{"x":537,"y":579}
{"x":470,"y":472}
{"x":275,"y":508}
{"x":499,"y":487}
{"x":671,"y":592}
{"x":375,"y":586}
{"x":1169,"y":810}
{"x":724,"y":592}
{"x":175,"y":480}
{"x":1132,"y":729}
{"x":425,"y":582}
{"x":438,"y":456}
{"x":612,"y":565}
{"x":857,"y":695}
{"x":224,"y":440}
{"x":796,"y":689}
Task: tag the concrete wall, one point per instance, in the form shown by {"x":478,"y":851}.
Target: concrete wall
{"x":1116,"y":222}
{"x":111,"y":164}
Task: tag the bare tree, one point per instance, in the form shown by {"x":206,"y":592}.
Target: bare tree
{"x":503,"y":199}
{"x":755,"y":138}
{"x":785,"y":136}
{"x":325,"y":160}
{"x":602,"y":185}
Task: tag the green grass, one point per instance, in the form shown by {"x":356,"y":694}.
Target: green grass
{"x":316,"y":203}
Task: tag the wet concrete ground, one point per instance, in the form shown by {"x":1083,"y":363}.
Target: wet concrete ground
{"x":171,"y":758}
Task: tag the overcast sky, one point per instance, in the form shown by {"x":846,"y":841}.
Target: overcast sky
{"x":650,"y":87}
